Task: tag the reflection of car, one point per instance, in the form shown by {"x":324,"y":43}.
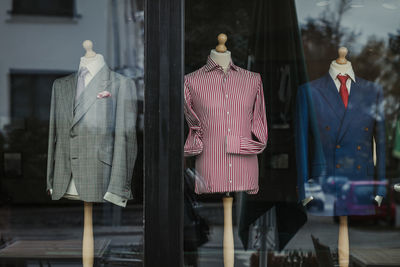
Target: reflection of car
{"x":315,"y":190}
{"x":357,"y":198}
{"x":333,"y":184}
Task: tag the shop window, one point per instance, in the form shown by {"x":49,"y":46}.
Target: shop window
{"x":31,"y":94}
{"x":56,"y":8}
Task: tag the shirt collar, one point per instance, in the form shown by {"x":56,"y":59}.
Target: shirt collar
{"x":333,"y":72}
{"x":211,"y":65}
{"x":92,"y":64}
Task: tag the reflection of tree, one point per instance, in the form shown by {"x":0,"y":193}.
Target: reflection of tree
{"x":368,"y":63}
{"x":391,"y":77}
{"x":378,"y":59}
{"x":323,"y":35}
{"x":205,"y":20}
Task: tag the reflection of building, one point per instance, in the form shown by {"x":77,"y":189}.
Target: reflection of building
{"x":42,"y":40}
{"x":36,"y":47}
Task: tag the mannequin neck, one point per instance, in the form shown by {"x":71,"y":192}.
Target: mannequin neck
{"x":342,"y":68}
{"x":222,"y":59}
{"x":94,"y":64}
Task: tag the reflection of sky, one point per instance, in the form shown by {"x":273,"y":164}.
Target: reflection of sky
{"x":371,"y":19}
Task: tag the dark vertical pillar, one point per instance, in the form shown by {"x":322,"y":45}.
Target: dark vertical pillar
{"x":163,"y":140}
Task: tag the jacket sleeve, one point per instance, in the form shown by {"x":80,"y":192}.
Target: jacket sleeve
{"x":194,"y":144}
{"x":307,"y":141}
{"x":301,"y":140}
{"x":52,"y":141}
{"x":246,"y":146}
{"x":125,"y":143}
{"x":380,"y":139}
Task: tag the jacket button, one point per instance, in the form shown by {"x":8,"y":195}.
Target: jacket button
{"x":358,"y":147}
{"x":366,"y":129}
{"x":359,"y":167}
{"x":337,"y":166}
{"x":338,"y":146}
{"x":327,"y":128}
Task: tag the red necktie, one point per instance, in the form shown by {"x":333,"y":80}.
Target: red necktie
{"x":344,"y":93}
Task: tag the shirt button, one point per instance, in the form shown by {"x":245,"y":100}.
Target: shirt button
{"x":230,"y":164}
{"x":229,"y":130}
{"x":359,"y":167}
{"x":226,"y":95}
{"x":366,"y":129}
{"x":230,"y":181}
{"x":337,"y":166}
{"x":358,"y":147}
{"x":327,"y":128}
{"x":337,"y":146}
{"x":227,"y":113}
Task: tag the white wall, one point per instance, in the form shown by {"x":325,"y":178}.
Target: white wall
{"x":50,"y":45}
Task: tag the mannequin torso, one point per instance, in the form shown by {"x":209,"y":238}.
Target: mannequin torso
{"x":93,"y":64}
{"x":222,"y":59}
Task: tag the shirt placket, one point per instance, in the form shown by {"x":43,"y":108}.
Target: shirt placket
{"x":228,"y":128}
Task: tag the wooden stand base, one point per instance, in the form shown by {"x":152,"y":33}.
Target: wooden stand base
{"x":229,"y":248}
{"x":88,"y":240}
{"x":343,"y":242}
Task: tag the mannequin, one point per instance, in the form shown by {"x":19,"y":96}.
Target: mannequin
{"x":223,"y":133}
{"x":88,"y":240}
{"x":343,"y":67}
{"x":96,"y":62}
{"x":92,"y":129}
{"x":90,"y":57}
{"x":342,"y":144}
{"x":222,"y":57}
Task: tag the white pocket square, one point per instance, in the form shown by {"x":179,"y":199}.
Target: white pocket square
{"x":103,"y":94}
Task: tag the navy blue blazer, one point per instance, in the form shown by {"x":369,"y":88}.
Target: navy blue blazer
{"x":334,"y":141}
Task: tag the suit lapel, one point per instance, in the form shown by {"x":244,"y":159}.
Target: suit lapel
{"x":330,"y":93}
{"x":68,"y":96}
{"x":89,"y":95}
{"x":353,"y":109}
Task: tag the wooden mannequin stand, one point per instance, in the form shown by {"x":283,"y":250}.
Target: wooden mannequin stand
{"x":343,"y":242}
{"x":88,"y":240}
{"x":229,"y":247}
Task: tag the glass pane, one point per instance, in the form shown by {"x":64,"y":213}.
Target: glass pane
{"x":71,"y":133}
{"x":295,"y":159}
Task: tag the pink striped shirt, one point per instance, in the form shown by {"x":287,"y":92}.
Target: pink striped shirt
{"x":227,"y":127}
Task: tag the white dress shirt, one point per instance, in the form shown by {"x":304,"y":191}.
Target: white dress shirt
{"x":335,"y":69}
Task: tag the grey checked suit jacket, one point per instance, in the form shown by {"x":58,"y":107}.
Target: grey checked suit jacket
{"x":96,"y":143}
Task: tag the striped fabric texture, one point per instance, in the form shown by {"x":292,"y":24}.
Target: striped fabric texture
{"x":225,"y":113}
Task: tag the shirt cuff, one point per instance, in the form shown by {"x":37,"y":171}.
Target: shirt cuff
{"x":378,"y":199}
{"x":51,"y":191}
{"x":307,"y":200}
{"x":233,"y":144}
{"x":115,"y":199}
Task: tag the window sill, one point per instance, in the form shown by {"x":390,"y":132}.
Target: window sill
{"x":42,"y":19}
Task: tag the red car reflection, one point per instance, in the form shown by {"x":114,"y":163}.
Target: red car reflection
{"x":357,"y":198}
